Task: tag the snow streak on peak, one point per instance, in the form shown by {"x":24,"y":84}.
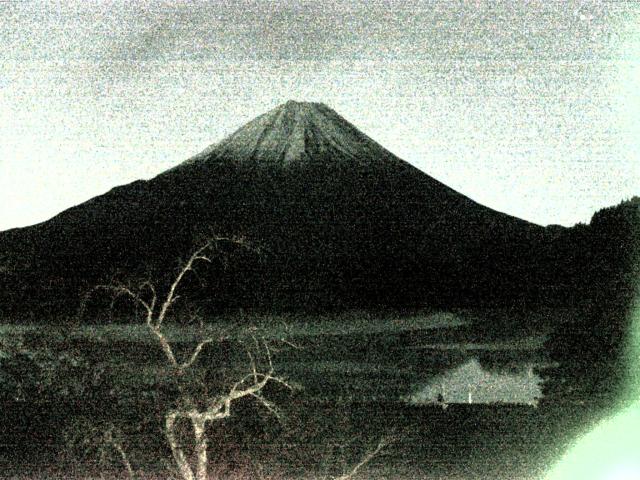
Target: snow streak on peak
{"x":292,"y":132}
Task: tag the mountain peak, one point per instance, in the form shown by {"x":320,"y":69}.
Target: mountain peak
{"x":302,"y":109}
{"x":295,"y":105}
{"x":290,"y":132}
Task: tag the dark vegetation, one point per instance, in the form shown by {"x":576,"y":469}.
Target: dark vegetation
{"x":589,"y":350}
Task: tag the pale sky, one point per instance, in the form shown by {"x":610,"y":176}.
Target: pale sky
{"x":529,"y":107}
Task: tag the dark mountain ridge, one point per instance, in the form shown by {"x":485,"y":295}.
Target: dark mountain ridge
{"x":341,"y":222}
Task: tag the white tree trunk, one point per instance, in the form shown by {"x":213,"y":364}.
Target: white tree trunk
{"x":178,"y":455}
{"x":199,"y":427}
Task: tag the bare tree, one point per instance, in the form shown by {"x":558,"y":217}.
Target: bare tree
{"x":199,"y":412}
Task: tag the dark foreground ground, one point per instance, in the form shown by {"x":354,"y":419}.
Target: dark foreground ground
{"x":354,"y":376}
{"x":321,"y":440}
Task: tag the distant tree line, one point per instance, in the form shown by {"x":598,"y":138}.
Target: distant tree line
{"x":588,"y":353}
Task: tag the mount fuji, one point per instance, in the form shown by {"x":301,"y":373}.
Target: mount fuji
{"x":341,"y":221}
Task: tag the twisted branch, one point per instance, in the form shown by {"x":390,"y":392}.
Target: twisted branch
{"x":383,"y":443}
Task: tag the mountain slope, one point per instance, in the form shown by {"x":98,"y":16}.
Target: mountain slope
{"x":341,"y":220}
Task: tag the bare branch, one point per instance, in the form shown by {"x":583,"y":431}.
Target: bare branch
{"x":197,"y":255}
{"x":260,"y":380}
{"x":171,"y":295}
{"x":147,"y":284}
{"x":203,"y":258}
{"x":256,"y":386}
{"x":164,"y":343}
{"x":270,"y":406}
{"x":236,"y":392}
{"x":253,"y":366}
{"x":198,"y":277}
{"x":383,"y":443}
{"x":117,"y":446}
{"x":266,"y":347}
{"x":290,"y":344}
{"x":119,"y":290}
{"x":154,"y":297}
{"x":196,"y":352}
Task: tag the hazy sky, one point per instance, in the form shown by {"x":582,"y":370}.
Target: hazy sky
{"x":529,"y":107}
